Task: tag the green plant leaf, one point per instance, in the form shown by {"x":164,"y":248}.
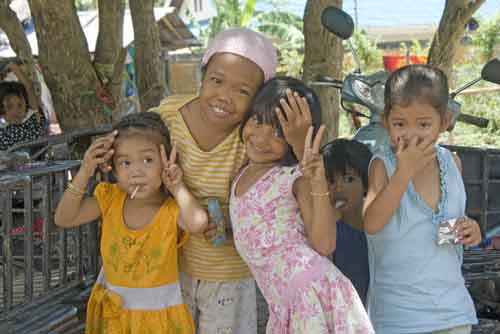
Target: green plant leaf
{"x":247,"y":13}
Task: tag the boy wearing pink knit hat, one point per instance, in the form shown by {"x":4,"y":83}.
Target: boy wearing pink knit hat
{"x":216,"y":283}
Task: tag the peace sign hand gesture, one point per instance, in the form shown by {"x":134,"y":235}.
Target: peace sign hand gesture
{"x":172,"y":173}
{"x":311,"y":165}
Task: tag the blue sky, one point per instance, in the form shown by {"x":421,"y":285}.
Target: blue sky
{"x":394,"y":12}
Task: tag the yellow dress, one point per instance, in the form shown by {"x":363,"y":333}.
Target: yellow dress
{"x":138,"y":290}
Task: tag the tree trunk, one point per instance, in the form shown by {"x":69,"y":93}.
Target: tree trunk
{"x":66,"y":64}
{"x":109,"y":54}
{"x":149,"y":65}
{"x":13,"y":28}
{"x":450,"y":31}
{"x":324,"y":54}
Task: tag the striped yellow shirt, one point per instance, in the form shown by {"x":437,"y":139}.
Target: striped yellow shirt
{"x":207,"y":174}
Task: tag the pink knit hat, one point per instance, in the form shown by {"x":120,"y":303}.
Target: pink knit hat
{"x":246,"y":43}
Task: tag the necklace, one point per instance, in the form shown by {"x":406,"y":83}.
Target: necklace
{"x":262,"y":164}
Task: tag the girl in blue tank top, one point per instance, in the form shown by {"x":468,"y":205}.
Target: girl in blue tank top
{"x":416,"y":285}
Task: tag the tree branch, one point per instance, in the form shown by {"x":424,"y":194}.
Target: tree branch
{"x":14,"y":30}
{"x":149,"y":65}
{"x":66,"y":64}
{"x":324,"y":54}
{"x":109,"y":58}
{"x":450,"y":31}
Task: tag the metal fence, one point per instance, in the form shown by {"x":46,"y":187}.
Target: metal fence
{"x":40,"y":264}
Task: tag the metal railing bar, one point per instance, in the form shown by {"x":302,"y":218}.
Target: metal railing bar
{"x":7,"y":251}
{"x":28,"y":242}
{"x":46,"y":237}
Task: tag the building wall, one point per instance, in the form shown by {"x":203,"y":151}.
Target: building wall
{"x":200,"y":10}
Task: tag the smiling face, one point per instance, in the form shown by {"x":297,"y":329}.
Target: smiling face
{"x":415,"y":120}
{"x":229,"y":84}
{"x":137,"y":163}
{"x":263,"y":142}
{"x":14,"y":107}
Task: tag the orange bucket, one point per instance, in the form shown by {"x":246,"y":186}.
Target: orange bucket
{"x":393,"y":62}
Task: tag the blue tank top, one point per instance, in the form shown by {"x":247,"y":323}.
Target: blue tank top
{"x":351,"y":257}
{"x":415,"y":285}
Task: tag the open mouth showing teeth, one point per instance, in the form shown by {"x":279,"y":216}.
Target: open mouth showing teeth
{"x":219,"y":111}
{"x":258,"y":149}
{"x":340,"y":203}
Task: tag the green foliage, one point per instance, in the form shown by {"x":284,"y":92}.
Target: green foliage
{"x":281,"y":25}
{"x":247,"y":13}
{"x":82,"y":5}
{"x":416,"y":48}
{"x":484,"y":105}
{"x":487,"y":37}
{"x":291,"y":62}
{"x":229,"y":15}
{"x":287,"y":30}
{"x":368,"y":53}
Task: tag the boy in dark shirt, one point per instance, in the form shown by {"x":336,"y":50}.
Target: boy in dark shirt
{"x":346,"y":164}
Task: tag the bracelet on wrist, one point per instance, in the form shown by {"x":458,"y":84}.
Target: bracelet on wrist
{"x":75,"y":190}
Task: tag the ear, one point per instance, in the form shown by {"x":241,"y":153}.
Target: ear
{"x":445,"y":121}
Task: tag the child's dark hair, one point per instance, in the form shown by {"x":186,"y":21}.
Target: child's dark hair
{"x":417,"y":83}
{"x":268,"y":99}
{"x":12,"y":88}
{"x":342,"y":154}
{"x":145,"y":123}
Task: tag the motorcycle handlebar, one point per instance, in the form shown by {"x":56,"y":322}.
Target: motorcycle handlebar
{"x":474,"y":120}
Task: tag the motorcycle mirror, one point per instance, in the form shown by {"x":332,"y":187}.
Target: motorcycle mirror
{"x":491,"y":71}
{"x":337,"y":22}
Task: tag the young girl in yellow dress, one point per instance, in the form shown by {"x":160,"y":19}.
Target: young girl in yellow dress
{"x":138,"y":290}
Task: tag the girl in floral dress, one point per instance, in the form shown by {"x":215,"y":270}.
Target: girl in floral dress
{"x":282,"y":216}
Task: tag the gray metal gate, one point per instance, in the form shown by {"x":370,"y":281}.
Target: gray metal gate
{"x":41,"y":266}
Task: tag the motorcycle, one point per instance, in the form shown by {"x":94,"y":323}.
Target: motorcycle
{"x":367,"y":90}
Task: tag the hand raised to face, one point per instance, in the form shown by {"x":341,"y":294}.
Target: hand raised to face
{"x":312,"y":165}
{"x":172,"y":173}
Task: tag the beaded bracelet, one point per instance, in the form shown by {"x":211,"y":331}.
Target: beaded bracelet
{"x":75,"y":190}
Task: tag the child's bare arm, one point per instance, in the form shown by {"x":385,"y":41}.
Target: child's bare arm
{"x":383,"y":197}
{"x":468,"y":229}
{"x":384,"y":194}
{"x":192,"y":216}
{"x":73,"y":209}
{"x":318,"y":215}
{"x":311,"y":191}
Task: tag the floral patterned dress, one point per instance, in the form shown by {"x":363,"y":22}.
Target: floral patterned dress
{"x":305,"y":292}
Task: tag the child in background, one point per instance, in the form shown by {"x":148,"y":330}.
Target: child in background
{"x":346,"y":164}
{"x":21,"y":119}
{"x":416,"y":285}
{"x":138,"y":290}
{"x":216,"y":282}
{"x":281,"y":216}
